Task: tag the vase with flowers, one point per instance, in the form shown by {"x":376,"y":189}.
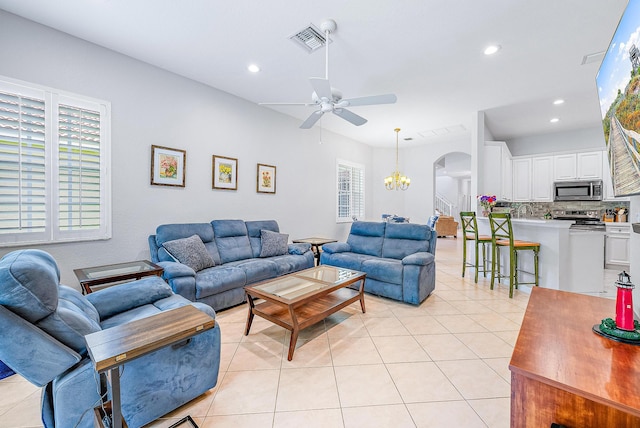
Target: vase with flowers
{"x":487,"y":202}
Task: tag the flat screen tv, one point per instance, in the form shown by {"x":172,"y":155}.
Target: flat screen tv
{"x":618,"y":82}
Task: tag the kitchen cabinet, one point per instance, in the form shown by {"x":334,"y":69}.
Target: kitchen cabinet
{"x":522,"y":179}
{"x":497,"y":170}
{"x":541,"y":182}
{"x":589,"y":165}
{"x":578,"y":166}
{"x":564,"y":167}
{"x":616,"y":248}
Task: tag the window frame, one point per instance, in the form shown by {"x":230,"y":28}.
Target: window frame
{"x":341,"y":163}
{"x":53,"y":98}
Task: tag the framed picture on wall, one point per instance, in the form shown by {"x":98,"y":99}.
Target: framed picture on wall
{"x":224,"y":173}
{"x":168,"y":166}
{"x":266,"y":180}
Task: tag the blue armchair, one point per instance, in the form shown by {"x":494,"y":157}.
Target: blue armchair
{"x":42,"y":329}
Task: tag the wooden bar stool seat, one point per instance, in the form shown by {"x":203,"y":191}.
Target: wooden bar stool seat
{"x":470,"y":233}
{"x":502,"y":236}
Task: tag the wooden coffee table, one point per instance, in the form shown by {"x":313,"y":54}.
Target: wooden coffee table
{"x":301,"y":299}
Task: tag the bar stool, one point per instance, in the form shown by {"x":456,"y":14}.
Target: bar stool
{"x":470,"y":232}
{"x":502,"y":237}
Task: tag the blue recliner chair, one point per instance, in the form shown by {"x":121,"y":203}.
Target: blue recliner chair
{"x":42,"y":329}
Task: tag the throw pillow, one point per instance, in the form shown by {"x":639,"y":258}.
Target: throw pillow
{"x":273,"y":243}
{"x":190,"y":251}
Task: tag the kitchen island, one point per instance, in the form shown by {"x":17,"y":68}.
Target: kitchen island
{"x":570,"y":260}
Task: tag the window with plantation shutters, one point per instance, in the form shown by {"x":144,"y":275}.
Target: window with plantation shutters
{"x":350,"y":192}
{"x":54,"y":153}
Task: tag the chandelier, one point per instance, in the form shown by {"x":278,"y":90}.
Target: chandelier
{"x":396,"y":180}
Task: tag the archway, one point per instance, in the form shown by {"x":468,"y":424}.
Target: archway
{"x":452,"y":184}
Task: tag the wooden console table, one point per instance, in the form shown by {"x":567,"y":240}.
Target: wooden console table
{"x":562,"y":372}
{"x":111,"y":348}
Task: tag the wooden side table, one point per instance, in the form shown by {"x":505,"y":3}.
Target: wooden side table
{"x":99,"y":275}
{"x":316,"y":243}
{"x":562,"y":372}
{"x":111,"y":348}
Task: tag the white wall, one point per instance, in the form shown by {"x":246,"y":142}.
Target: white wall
{"x":577,"y":140}
{"x":152,"y":106}
{"x":419,"y":166}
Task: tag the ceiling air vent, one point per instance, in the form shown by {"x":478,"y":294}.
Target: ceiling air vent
{"x":310,"y":39}
{"x":594,"y":57}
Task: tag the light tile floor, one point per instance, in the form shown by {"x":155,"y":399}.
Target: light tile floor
{"x":441,"y":364}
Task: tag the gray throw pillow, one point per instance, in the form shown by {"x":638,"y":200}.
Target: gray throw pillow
{"x":190,"y":251}
{"x":273,"y":243}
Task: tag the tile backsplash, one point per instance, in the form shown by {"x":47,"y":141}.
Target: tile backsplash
{"x":539,"y":209}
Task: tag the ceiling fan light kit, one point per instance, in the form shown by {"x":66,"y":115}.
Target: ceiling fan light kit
{"x":329,"y":100}
{"x":397,"y":180}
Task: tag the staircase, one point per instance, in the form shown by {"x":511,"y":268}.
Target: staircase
{"x":443,"y":205}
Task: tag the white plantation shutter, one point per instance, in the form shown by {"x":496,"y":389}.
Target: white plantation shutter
{"x":22,"y":164}
{"x":79,"y":202}
{"x":54,"y":153}
{"x":350,"y":194}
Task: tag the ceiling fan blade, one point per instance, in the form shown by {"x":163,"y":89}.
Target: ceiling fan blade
{"x":321,"y":87}
{"x":350,"y":116}
{"x":286,"y":104}
{"x":311,"y":120}
{"x":367,"y":101}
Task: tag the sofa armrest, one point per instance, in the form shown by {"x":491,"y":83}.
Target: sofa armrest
{"x":175,"y":270}
{"x":299,"y":249}
{"x":421,"y":259}
{"x":336,"y":247}
{"x":123,"y":297}
{"x":181,"y":279}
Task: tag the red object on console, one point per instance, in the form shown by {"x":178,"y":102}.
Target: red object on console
{"x":624,"y":302}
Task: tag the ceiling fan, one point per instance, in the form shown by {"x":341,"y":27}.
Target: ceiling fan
{"x":329,"y":99}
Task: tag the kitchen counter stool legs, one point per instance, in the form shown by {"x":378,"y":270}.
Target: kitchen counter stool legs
{"x":470,"y":232}
{"x":502,"y":237}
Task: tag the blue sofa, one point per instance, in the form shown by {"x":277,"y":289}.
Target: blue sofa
{"x":398,"y":258}
{"x":42,"y":329}
{"x":235,"y":247}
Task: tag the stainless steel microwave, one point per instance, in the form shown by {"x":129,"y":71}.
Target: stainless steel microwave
{"x":588,"y":190}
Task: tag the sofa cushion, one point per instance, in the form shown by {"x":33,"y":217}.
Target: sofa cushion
{"x":190,"y":251}
{"x":273,"y":244}
{"x":232,"y":240}
{"x":257,"y":269}
{"x":385,"y":270}
{"x":366,"y":237}
{"x":219,"y":279}
{"x":170,"y":232}
{"x":289,"y":263}
{"x":346,"y":260}
{"x":254,"y":228}
{"x":404,"y":239}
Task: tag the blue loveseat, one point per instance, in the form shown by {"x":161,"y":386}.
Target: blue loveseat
{"x":398,"y":258}
{"x":235,"y":246}
{"x":42,"y":329}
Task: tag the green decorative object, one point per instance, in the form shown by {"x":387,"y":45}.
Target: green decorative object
{"x":607,"y":328}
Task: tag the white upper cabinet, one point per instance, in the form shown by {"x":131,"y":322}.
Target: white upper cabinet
{"x":497,"y":170}
{"x":542,"y":179}
{"x":589,"y":165}
{"x":522,"y":179}
{"x":564,"y":167}
{"x":577,"y":166}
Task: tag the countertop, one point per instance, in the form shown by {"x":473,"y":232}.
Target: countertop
{"x":533,"y":221}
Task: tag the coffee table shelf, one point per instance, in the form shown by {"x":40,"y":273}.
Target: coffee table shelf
{"x":299,"y":300}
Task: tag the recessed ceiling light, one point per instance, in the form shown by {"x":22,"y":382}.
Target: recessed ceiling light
{"x":558,"y":101}
{"x":554,"y":120}
{"x":253,"y":68}
{"x":490,"y":50}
